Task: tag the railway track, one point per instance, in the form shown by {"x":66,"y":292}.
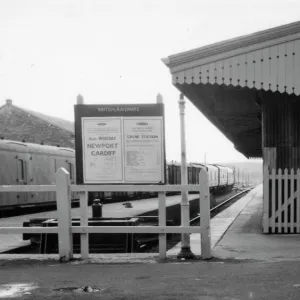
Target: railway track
{"x":176,"y":238}
{"x":221,"y":206}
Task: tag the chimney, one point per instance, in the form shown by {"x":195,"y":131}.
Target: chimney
{"x":8,"y":102}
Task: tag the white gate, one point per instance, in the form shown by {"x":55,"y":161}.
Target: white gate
{"x":281,"y":201}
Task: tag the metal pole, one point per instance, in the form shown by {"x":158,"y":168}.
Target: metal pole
{"x":185,"y":251}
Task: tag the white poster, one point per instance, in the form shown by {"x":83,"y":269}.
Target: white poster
{"x":143,"y":149}
{"x":102,"y":150}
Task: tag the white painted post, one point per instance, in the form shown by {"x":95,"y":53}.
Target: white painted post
{"x":298,"y":203}
{"x":84,"y":221}
{"x":162,"y":222}
{"x":63,"y":200}
{"x":292,"y":211}
{"x":185,"y":206}
{"x":266,"y":201}
{"x":278,"y":200}
{"x":273,"y":197}
{"x":80,"y":99}
{"x":205,"y":215}
{"x":285,"y":200}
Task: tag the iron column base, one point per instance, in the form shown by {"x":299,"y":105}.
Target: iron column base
{"x":186,"y":253}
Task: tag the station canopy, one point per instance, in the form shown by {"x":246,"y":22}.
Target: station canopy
{"x":225,"y":80}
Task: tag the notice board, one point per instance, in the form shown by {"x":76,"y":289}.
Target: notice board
{"x":120,"y":144}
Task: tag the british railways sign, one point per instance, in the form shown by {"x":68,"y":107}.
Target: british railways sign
{"x":120,"y":144}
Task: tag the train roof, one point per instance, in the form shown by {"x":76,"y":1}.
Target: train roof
{"x":35,"y":148}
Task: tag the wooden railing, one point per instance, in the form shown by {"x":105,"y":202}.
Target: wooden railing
{"x":65,"y":229}
{"x":281,"y":201}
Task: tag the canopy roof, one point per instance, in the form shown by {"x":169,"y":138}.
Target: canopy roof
{"x":225,"y":80}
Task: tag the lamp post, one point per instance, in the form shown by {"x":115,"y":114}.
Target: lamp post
{"x":185,"y":251}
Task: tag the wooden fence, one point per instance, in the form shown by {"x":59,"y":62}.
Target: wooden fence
{"x":65,"y":229}
{"x":281,"y":201}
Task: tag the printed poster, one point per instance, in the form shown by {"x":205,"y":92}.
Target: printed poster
{"x":123,"y":149}
{"x":102,"y":150}
{"x":143,"y":150}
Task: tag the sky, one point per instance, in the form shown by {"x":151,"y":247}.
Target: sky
{"x":110,"y":52}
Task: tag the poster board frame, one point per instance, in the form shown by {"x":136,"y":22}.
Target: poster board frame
{"x":115,"y":111}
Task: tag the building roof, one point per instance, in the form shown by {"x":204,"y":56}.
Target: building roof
{"x":61,"y":123}
{"x":64,"y":124}
{"x":225,"y":80}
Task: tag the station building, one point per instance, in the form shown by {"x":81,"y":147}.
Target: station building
{"x":249,"y":88}
{"x":20,"y":124}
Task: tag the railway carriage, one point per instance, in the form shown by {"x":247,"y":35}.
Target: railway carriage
{"x":230,"y":178}
{"x":33,"y":164}
{"x":222,"y":176}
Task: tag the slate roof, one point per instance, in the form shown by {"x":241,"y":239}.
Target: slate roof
{"x":61,"y":123}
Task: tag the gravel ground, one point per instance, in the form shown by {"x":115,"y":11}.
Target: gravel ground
{"x":216,"y":279}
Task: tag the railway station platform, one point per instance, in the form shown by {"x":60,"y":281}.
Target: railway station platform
{"x":244,"y":238}
{"x":220,"y":223}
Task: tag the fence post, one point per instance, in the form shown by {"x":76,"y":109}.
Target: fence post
{"x":298,"y":203}
{"x":84,"y":221}
{"x":63,"y":200}
{"x":266,"y":201}
{"x":204,"y":215}
{"x":162,"y":222}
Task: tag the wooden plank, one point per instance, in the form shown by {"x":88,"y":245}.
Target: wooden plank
{"x":298,"y":201}
{"x":227,"y":71}
{"x":174,"y":78}
{"x":188,"y":74}
{"x":289,"y":67}
{"x":204,"y":74}
{"x":279,"y":200}
{"x":27,"y":188}
{"x":84,"y":221}
{"x":106,"y":229}
{"x":63,"y":196}
{"x":250,"y":70}
{"x":289,"y":176}
{"x":136,"y":188}
{"x":284,"y":205}
{"x":242,"y":70}
{"x":234,"y":70}
{"x":295,"y":224}
{"x":297,"y":67}
{"x":266,"y":200}
{"x":180,"y":77}
{"x":281,"y":67}
{"x":14,"y":230}
{"x":162,"y":222}
{"x":196,"y":75}
{"x":273,"y":199}
{"x":285,"y":200}
{"x":212,"y":72}
{"x":205,"y":215}
{"x":219,"y":72}
{"x":274,"y":68}
{"x":292,"y":202}
{"x":258,"y":69}
{"x":266,"y":68}
{"x":137,"y":229}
